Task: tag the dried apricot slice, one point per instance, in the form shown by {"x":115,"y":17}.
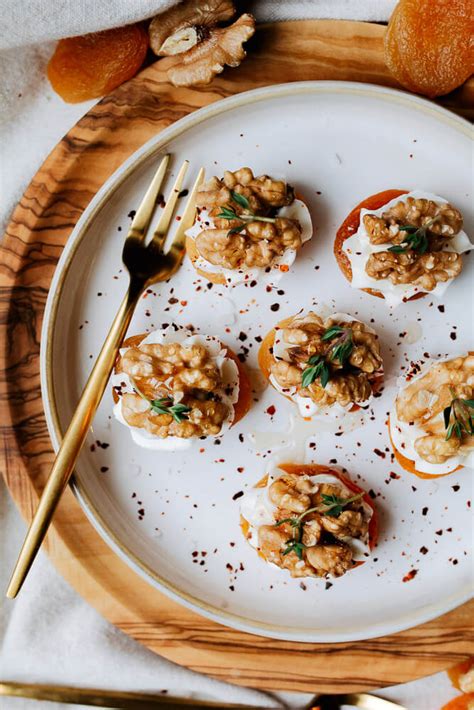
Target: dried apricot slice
{"x":90,"y":66}
{"x":427,"y":45}
{"x":462,"y":675}
{"x":462,"y":702}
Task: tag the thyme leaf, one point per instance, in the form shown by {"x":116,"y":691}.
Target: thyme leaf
{"x":458,"y":418}
{"x":342,"y":346}
{"x":241,"y":200}
{"x":228,"y":212}
{"x":416,"y":239}
{"x":317,"y":367}
{"x":335,"y":505}
{"x":166,"y":405}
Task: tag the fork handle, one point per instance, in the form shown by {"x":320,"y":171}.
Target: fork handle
{"x":74,"y":438}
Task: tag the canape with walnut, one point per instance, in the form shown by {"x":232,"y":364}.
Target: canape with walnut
{"x":310,"y":520}
{"x":324,"y":365}
{"x":192,"y":32}
{"x":432,"y":421}
{"x":246,"y":227}
{"x":401,"y":245}
{"x":171,"y":387}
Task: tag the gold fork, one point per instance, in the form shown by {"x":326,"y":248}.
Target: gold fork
{"x":147,"y":264}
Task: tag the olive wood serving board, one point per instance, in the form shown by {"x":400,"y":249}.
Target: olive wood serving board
{"x":60,"y":191}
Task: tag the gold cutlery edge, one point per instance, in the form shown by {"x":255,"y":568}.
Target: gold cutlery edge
{"x":131,"y":700}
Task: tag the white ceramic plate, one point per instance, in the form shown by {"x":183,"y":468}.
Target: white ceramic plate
{"x":175,"y":517}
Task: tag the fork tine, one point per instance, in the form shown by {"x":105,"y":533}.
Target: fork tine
{"x":176,"y":249}
{"x":162,"y":227}
{"x":142,"y":219}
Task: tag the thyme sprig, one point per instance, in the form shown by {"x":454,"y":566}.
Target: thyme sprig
{"x":317,"y":367}
{"x":228,"y":212}
{"x":458,"y":417}
{"x":332,"y":505}
{"x":164,"y":405}
{"x":339,"y":349}
{"x":416,"y":239}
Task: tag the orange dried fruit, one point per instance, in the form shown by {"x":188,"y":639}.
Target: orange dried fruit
{"x":428,"y":45}
{"x":90,"y":66}
{"x":462,"y":702}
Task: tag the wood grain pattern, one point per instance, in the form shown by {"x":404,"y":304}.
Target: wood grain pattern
{"x":39,"y":228}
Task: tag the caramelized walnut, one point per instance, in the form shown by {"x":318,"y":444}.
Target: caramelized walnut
{"x":350,"y":381}
{"x":442,"y":220}
{"x":321,"y":537}
{"x":350,"y":523}
{"x":258,"y":243}
{"x":423,"y":401}
{"x":425,"y":270}
{"x":343,"y":389}
{"x":180,"y":374}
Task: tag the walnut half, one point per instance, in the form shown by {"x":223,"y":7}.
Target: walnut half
{"x":191,"y":31}
{"x":425,"y":271}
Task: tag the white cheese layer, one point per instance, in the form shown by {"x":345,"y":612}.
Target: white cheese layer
{"x":404,"y":434}
{"x":228,"y":393}
{"x":358,"y":249}
{"x":306,"y":407}
{"x":257,"y":509}
{"x":297,"y":210}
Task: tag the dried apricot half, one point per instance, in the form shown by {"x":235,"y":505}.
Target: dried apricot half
{"x":90,"y":66}
{"x":428,"y":45}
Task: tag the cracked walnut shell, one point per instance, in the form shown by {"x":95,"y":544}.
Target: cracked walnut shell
{"x":190,"y":32}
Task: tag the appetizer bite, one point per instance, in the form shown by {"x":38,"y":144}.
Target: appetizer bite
{"x":170,"y":387}
{"x":325,"y":366}
{"x":310,"y":520}
{"x":432,"y":420}
{"x":399,"y":245}
{"x":246,"y":228}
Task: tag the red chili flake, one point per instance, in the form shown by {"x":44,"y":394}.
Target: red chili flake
{"x":379,"y":453}
{"x":271,"y":410}
{"x":240,"y":469}
{"x":410,"y":575}
{"x":284,"y":268}
{"x":394,"y":475}
{"x":184,"y":303}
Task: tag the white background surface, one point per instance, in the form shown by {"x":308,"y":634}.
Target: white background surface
{"x":49,"y":634}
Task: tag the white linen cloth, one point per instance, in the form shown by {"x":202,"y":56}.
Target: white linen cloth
{"x":49,"y":634}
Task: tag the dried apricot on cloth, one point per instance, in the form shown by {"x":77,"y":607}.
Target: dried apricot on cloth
{"x":462,"y":675}
{"x":90,"y":66}
{"x":428,"y":45}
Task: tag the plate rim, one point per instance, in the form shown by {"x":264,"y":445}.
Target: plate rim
{"x":151,"y":149}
